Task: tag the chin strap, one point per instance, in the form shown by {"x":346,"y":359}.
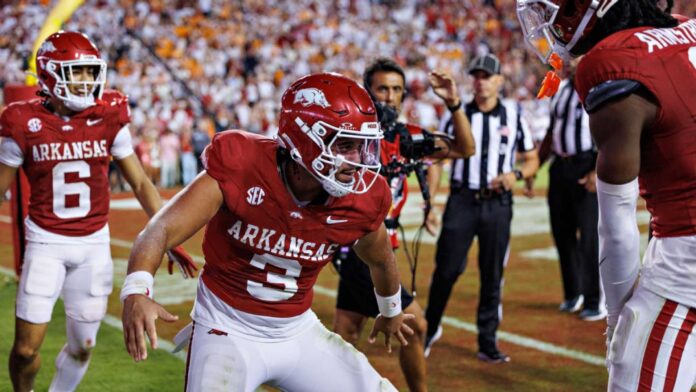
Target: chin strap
{"x":549,"y":86}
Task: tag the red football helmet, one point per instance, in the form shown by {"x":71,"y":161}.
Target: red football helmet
{"x":558,"y":25}
{"x":320,"y":115}
{"x":56,"y":62}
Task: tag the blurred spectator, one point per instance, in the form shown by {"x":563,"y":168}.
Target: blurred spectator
{"x":170,"y":146}
{"x":147,"y":151}
{"x":200,"y":139}
{"x":237,"y":57}
{"x":188,"y":160}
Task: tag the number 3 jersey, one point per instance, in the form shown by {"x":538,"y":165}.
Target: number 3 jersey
{"x":66,"y":160}
{"x":263,"y":251}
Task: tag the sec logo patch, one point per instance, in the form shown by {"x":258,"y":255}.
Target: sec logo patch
{"x":34,"y":125}
{"x":255,"y":196}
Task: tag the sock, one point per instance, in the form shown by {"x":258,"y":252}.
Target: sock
{"x":69,"y":372}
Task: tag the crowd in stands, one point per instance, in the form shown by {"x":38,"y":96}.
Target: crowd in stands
{"x":192,"y":68}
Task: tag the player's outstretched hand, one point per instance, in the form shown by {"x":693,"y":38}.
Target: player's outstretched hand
{"x":182,"y":259}
{"x":139,"y":315}
{"x":394,"y":326}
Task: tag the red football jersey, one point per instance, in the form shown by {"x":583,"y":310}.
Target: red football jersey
{"x":664,"y":61}
{"x":263,"y":252}
{"x":67,"y":161}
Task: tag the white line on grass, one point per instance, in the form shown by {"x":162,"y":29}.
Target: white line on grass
{"x":506,"y":336}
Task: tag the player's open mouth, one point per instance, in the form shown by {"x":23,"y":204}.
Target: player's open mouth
{"x":81,"y":92}
{"x":346,"y":176}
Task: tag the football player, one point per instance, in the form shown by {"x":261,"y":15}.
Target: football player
{"x":638,"y":83}
{"x":64,"y":141}
{"x":276,"y":213}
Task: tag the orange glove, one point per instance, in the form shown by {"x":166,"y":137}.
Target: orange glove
{"x":182,"y":259}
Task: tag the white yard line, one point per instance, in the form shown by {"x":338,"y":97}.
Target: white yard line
{"x":506,"y":336}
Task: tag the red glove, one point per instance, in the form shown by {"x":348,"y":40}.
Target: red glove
{"x":182,"y":259}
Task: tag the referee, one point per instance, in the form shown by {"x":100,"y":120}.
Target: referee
{"x":572,"y":200}
{"x":480,"y":204}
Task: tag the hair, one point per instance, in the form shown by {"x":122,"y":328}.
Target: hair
{"x":628,"y":14}
{"x":381,"y":64}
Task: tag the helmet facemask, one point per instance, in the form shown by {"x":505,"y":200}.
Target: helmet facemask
{"x":535,"y":18}
{"x":552,"y":28}
{"x":64,"y":73}
{"x":342,"y":149}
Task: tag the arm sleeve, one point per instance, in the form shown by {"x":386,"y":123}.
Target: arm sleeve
{"x":123,"y":144}
{"x":619,"y":241}
{"x":10,"y":153}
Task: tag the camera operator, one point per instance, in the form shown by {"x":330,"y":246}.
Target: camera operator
{"x":402,"y":150}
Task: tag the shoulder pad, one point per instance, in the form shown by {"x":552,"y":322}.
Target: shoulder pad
{"x":607,"y":91}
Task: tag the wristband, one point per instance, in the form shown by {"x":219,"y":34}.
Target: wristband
{"x":138,"y":282}
{"x":518,"y":174}
{"x":456,"y":107}
{"x":389,"y":306}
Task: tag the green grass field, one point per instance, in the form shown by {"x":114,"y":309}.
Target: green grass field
{"x":111,"y":368}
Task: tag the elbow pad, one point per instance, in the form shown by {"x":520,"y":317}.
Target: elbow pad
{"x":619,"y":241}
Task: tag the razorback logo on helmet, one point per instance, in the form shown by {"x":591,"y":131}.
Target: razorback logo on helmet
{"x":311,"y":96}
{"x":47,"y":46}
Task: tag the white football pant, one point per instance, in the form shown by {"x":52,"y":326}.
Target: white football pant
{"x":654,"y":346}
{"x":81,"y":274}
{"x":315,"y":360}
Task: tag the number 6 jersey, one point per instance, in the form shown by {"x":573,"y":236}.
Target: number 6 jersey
{"x":66,"y":160}
{"x":263,"y":251}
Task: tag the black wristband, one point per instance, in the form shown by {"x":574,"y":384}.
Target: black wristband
{"x":456,"y":107}
{"x":518,"y":174}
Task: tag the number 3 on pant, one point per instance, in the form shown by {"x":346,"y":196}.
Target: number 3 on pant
{"x":61,"y":190}
{"x":288,"y":280}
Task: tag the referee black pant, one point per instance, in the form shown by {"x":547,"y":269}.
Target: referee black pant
{"x":574,"y":215}
{"x":467,"y":214}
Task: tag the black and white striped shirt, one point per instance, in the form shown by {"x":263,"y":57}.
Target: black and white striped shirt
{"x":498,"y":135}
{"x":570,"y":123}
